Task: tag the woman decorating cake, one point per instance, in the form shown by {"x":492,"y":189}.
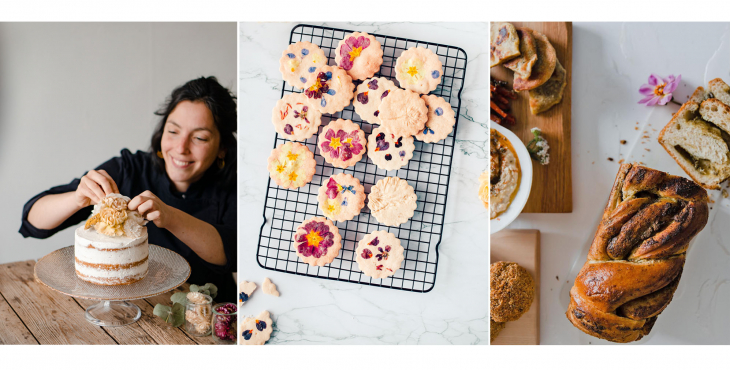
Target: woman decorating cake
{"x":185,"y":186}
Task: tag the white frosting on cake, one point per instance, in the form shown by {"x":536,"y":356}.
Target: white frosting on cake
{"x":107,"y":260}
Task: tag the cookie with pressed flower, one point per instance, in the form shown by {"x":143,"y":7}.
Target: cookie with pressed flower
{"x":299,"y":61}
{"x":295,"y":117}
{"x":245,"y":290}
{"x":341,"y":198}
{"x":256,"y":331}
{"x":392,"y":201}
{"x":360,"y":55}
{"x":379,"y":254}
{"x":403,"y":113}
{"x":291,"y":165}
{"x":330,"y":89}
{"x":418,"y":69}
{"x":390,"y":152}
{"x":317,"y":241}
{"x":342,"y":143}
{"x":369,"y":95}
{"x":441,"y":120}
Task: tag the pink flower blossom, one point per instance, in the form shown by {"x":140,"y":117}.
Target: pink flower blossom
{"x":659,"y":90}
{"x":351,"y":50}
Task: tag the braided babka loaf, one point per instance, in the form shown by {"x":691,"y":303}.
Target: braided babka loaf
{"x":638,"y":253}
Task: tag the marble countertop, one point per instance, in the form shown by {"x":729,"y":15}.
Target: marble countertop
{"x":312,"y":310}
{"x":610,"y":62}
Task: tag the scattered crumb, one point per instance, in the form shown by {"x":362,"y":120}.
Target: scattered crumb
{"x":636,"y":128}
{"x":623,"y":142}
{"x":594,"y":162}
{"x":556,"y":278}
{"x":647,"y":149}
{"x":610,"y":159}
{"x":620,"y":161}
{"x":724,"y":193}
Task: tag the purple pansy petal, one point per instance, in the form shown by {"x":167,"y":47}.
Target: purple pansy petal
{"x":362,"y":97}
{"x":373,"y":84}
{"x":384,"y":94}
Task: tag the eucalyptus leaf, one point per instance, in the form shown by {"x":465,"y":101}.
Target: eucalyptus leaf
{"x":162,"y":311}
{"x":179,"y":297}
{"x":212,"y":290}
{"x":177,"y":315}
{"x":194,"y":288}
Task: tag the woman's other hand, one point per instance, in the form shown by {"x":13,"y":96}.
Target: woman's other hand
{"x":152,"y":208}
{"x":94,"y":187}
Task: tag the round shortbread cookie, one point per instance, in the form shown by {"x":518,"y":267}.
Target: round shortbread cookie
{"x":256,"y":331}
{"x":403,"y":113}
{"x":342,"y":143}
{"x":418,"y":69}
{"x":441,"y":120}
{"x":392,"y":201}
{"x":341,"y":198}
{"x":298,"y":61}
{"x":317,"y":241}
{"x":368,"y":96}
{"x":388,"y":151}
{"x":330,"y":89}
{"x":360,"y":55}
{"x":379,"y":254}
{"x":291,"y":165}
{"x":295,"y":117}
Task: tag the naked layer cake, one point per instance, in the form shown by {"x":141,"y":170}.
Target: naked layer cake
{"x":112,"y":248}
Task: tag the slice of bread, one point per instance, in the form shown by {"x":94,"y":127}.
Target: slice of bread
{"x":698,"y":146}
{"x":719,"y":90}
{"x":713,"y":110}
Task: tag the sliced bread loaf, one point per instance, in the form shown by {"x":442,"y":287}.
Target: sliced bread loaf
{"x":698,"y":147}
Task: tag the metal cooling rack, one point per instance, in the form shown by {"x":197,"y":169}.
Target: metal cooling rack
{"x":428,"y":172}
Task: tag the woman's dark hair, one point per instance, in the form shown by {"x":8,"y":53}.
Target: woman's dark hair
{"x":222,"y":104}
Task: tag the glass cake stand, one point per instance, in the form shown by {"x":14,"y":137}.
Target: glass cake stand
{"x":167,"y":271}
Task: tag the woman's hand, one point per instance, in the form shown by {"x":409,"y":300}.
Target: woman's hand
{"x":94,"y":187}
{"x":152,"y":208}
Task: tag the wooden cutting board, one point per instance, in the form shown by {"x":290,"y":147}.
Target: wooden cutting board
{"x":522,"y":247}
{"x":552,"y":190}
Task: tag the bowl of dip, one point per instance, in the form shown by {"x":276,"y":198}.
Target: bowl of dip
{"x":510,"y":177}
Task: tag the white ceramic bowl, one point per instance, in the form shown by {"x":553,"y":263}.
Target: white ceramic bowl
{"x":523,"y":192}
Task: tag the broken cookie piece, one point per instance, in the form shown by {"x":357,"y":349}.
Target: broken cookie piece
{"x":270,"y":288}
{"x":245,"y":290}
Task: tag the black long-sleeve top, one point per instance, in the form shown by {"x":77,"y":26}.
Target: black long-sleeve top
{"x":204,"y":200}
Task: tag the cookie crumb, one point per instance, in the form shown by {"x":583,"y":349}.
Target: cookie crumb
{"x":620,"y":161}
{"x":556,"y":278}
{"x":623,"y":142}
{"x":647,"y":149}
{"x":724,"y":193}
{"x":610,"y":159}
{"x":636,"y":128}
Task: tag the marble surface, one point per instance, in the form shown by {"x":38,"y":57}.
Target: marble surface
{"x":610,"y":62}
{"x":313,"y":311}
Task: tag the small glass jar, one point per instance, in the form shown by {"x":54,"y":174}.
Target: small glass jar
{"x":198,"y":314}
{"x":225,"y":320}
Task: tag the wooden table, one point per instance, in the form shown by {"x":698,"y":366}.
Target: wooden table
{"x":30,"y":313}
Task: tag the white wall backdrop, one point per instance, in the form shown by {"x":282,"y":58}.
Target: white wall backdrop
{"x":72,"y":95}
